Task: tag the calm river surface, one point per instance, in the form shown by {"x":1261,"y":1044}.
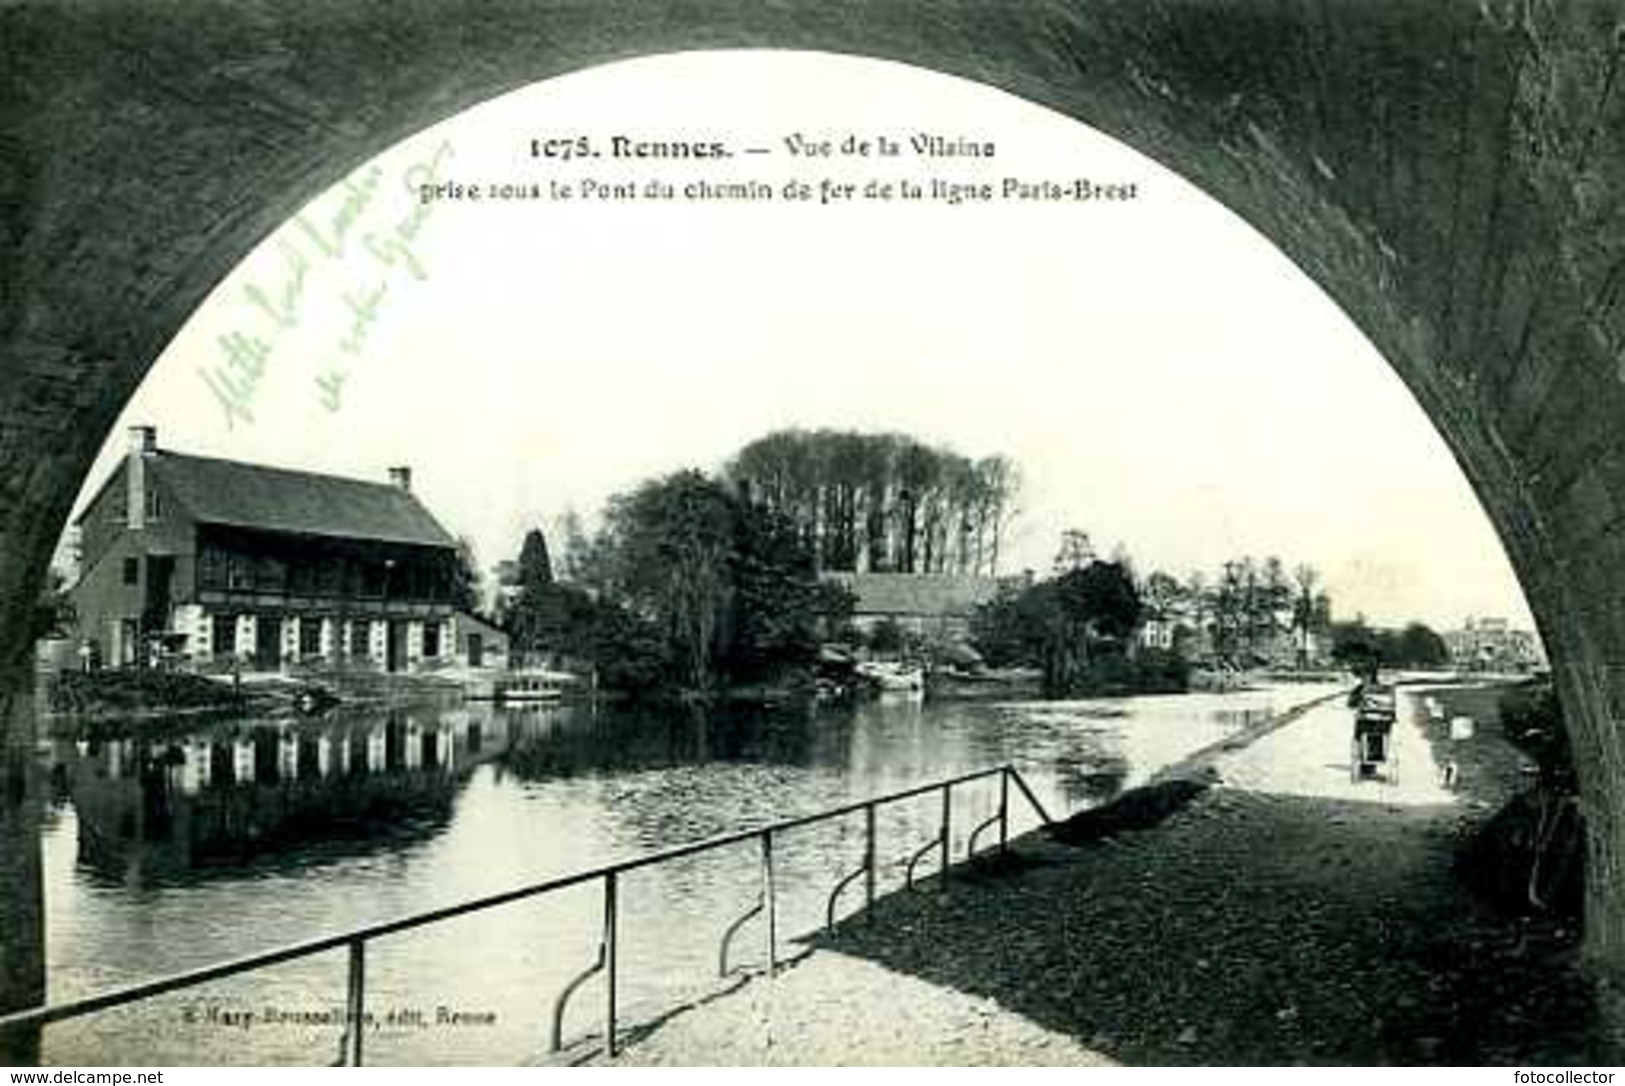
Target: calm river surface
{"x":168,"y":856}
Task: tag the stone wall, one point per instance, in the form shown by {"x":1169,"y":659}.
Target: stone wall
{"x":1450,"y":173}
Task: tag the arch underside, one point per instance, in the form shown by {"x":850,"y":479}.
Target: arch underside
{"x":1451,"y":174}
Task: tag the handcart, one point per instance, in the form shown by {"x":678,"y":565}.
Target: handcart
{"x":1372,"y":753}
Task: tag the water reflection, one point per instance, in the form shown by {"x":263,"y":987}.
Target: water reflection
{"x":153,"y":812}
{"x":165,"y":852}
{"x":558,"y":743}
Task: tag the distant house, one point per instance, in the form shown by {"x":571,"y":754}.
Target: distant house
{"x":935,"y":605}
{"x":1493,"y":644}
{"x":223,"y":562}
{"x":1158,"y":633}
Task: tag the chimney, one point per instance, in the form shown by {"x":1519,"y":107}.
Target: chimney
{"x":401,"y":477}
{"x":143,"y":444}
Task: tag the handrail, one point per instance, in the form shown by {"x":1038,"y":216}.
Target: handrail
{"x":867,"y":870}
{"x":970,"y":847}
{"x":733,"y":929}
{"x":1027,"y":793}
{"x":354,"y":940}
{"x":556,"y":1040}
{"x":930,"y":846}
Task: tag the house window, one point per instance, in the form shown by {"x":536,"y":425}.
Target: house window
{"x":225,"y":634}
{"x":329,"y":576}
{"x":431,"y":639}
{"x":152,"y":505}
{"x":132,"y":571}
{"x":310,"y":637}
{"x":238,"y":573}
{"x":360,"y":632}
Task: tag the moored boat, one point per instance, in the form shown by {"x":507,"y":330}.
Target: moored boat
{"x":525,"y":685}
{"x":893,"y":678}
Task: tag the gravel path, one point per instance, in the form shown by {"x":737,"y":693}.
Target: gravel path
{"x":1297,"y":918}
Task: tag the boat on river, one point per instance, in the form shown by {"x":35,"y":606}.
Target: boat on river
{"x":893,"y":678}
{"x":537,"y":685}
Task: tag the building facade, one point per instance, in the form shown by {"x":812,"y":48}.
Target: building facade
{"x":937,"y":606}
{"x":1493,"y":644}
{"x":223,"y":564}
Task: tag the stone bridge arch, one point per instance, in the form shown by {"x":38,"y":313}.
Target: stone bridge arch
{"x":1450,"y":173}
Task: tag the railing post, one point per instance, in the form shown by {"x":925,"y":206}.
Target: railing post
{"x":869,"y":861}
{"x":769,"y":903}
{"x":611,"y":907}
{"x":355,"y":1003}
{"x":1004,"y":809}
{"x":947,"y":830}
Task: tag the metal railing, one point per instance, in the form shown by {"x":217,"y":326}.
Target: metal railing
{"x":355,"y":942}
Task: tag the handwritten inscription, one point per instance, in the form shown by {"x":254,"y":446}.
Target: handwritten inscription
{"x":354,"y":242}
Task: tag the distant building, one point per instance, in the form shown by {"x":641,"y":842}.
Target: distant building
{"x":1159,"y":633}
{"x":228,"y":563}
{"x":1493,"y":644}
{"x":933,"y":605}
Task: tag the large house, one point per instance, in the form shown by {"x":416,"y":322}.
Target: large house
{"x":242,"y":565}
{"x":1493,"y":644}
{"x":937,"y":606}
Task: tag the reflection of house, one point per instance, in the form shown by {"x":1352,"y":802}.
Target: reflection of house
{"x":233,"y":561}
{"x":930,"y":604}
{"x":1491,"y":644}
{"x":158,"y":809}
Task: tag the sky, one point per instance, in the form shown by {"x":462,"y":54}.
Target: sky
{"x":1164,"y":378}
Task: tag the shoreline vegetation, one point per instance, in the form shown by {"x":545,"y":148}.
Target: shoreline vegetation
{"x":726,"y":588}
{"x":158,"y":701}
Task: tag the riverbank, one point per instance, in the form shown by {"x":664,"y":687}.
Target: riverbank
{"x":1318,"y":923}
{"x":142,"y":697}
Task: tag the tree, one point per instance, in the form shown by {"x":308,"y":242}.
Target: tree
{"x":1162,"y":597}
{"x":729,"y":588}
{"x":1355,"y":644}
{"x":884,"y":502}
{"x":577,"y":549}
{"x":1107,"y":600}
{"x":1062,"y":624}
{"x":1310,"y":608}
{"x":776,"y":603}
{"x":534,"y":619}
{"x":888,"y":637}
{"x":1076,"y":551}
{"x":535,"y":565}
{"x":1000,"y":484}
{"x":54,"y":613}
{"x":1419,"y":646}
{"x":465,"y":578}
{"x":670,"y":543}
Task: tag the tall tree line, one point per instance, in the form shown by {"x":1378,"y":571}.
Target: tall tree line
{"x":881,"y":502}
{"x":1246,"y":606}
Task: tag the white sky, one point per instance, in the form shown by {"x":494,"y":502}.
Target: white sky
{"x":1163,"y":376}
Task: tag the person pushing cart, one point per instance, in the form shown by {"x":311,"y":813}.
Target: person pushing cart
{"x":1372,"y":745}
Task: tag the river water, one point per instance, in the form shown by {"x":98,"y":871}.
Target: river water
{"x":163,"y":856}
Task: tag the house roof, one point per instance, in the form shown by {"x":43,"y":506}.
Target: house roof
{"x":280,"y":500}
{"x":924,"y":595}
